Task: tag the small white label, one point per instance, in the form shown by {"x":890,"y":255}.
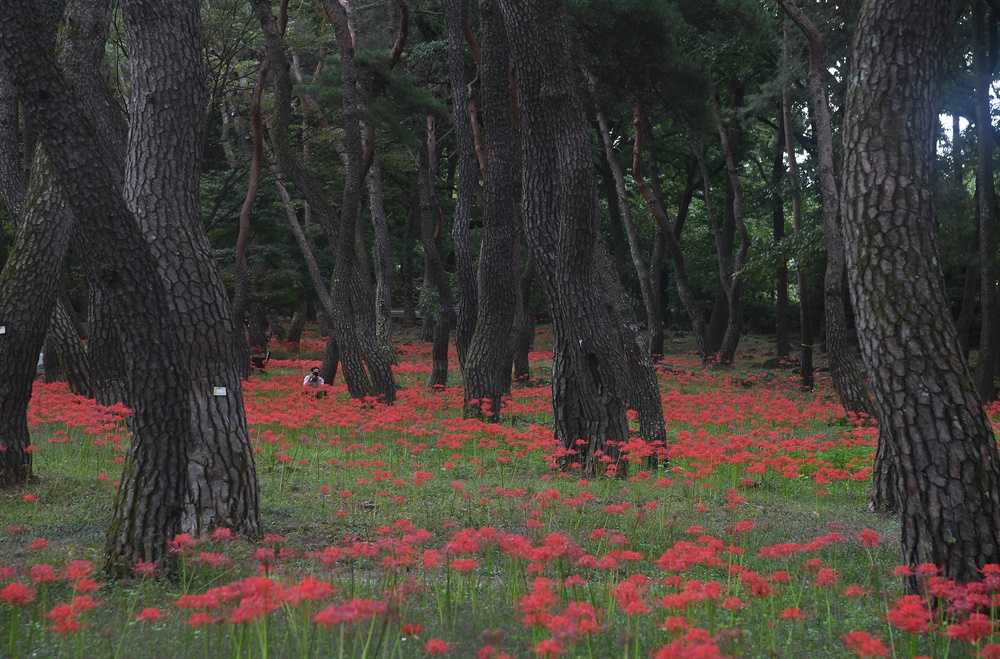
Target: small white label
{"x":218,"y":391}
{"x":3,"y":329}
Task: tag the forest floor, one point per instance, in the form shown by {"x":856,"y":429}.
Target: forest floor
{"x":407,"y":531}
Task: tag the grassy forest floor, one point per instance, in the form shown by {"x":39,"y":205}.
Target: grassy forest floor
{"x":408,"y":531}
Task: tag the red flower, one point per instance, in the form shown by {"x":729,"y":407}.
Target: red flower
{"x":412,"y":629}
{"x":151,"y":615}
{"x":910,"y":615}
{"x":864,"y":644}
{"x":869,"y":538}
{"x":17,"y":594}
{"x":437,"y":646}
{"x":973,"y":630}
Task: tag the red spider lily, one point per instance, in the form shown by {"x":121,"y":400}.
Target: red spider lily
{"x":17,"y":594}
{"x":29,"y":498}
{"x":794,"y":614}
{"x":412,"y":629}
{"x":353,"y":610}
{"x":695,"y":644}
{"x":536,"y":605}
{"x":151,"y":615}
{"x":310,"y":589}
{"x":870,"y":539}
{"x":629,"y":595}
{"x":464,"y":565}
{"x":198,"y":620}
{"x":864,"y":644}
{"x":437,"y":646}
{"x":975,"y":629}
{"x":222,"y":533}
{"x":910,"y":614}
{"x":39,"y":543}
{"x":144,"y":569}
{"x":180,"y":542}
{"x":43,"y":573}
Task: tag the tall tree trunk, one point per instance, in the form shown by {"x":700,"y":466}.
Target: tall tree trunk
{"x":435,"y":276}
{"x":638,"y":262}
{"x":488,"y":364}
{"x":465,"y":321}
{"x":298,"y":324}
{"x":942,"y":444}
{"x":523,"y":333}
{"x":560,"y":219}
{"x":162,"y":173}
{"x":242,"y":293}
{"x":28,"y":286}
{"x":331,"y":356}
{"x":805,"y":317}
{"x":108,"y":363}
{"x":382,"y":254}
{"x":854,"y":394}
{"x":698,"y":326}
{"x":150,"y":501}
{"x":986,"y":209}
{"x":781,"y":342}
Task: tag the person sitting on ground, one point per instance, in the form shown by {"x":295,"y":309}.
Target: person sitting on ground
{"x":313,"y":379}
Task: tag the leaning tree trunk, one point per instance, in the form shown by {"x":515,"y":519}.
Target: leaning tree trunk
{"x":487,"y":371}
{"x":465,"y":320}
{"x":941,"y":444}
{"x":163,"y":168}
{"x":989,"y":335}
{"x":28,"y":286}
{"x":643,"y":274}
{"x":850,"y":386}
{"x":150,"y":501}
{"x":561,"y":225}
{"x":435,"y":274}
{"x":698,"y":326}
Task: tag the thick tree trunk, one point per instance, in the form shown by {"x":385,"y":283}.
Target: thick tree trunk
{"x":150,"y":500}
{"x":162,"y":173}
{"x":435,"y":276}
{"x":560,"y":219}
{"x":465,"y":320}
{"x":942,"y":444}
{"x":986,"y":210}
{"x":28,"y":286}
{"x":488,"y":363}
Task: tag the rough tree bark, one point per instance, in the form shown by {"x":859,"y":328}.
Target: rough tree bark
{"x":150,"y":501}
{"x":487,"y":371}
{"x":465,"y":319}
{"x":989,"y":301}
{"x":644,"y":274}
{"x":941,"y":443}
{"x":162,"y":176}
{"x":560,"y":219}
{"x":434,"y":272}
{"x":851,"y":388}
